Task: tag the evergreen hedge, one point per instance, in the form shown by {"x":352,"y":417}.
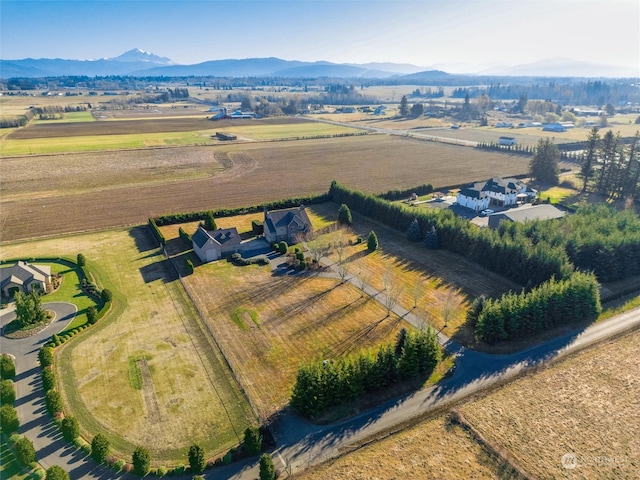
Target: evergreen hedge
{"x":325,"y":384}
{"x":553,"y":303}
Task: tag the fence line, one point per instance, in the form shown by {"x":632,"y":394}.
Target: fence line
{"x":213,"y":336}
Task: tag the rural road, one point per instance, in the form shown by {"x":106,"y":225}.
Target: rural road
{"x":400,"y":132}
{"x":300,"y":443}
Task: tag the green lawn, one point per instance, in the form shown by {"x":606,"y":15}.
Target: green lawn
{"x":69,"y":290}
{"x":70,"y":117}
{"x":89,"y":143}
{"x":188,"y":394}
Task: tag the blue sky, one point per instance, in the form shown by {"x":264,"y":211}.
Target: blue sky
{"x":422,"y":32}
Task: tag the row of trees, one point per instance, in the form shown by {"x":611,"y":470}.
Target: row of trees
{"x":324,"y":384}
{"x":549,"y":305}
{"x":609,"y":167}
{"x":516,"y":257}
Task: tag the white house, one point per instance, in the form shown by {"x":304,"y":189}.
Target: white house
{"x":286,"y":225}
{"x":24,"y":277}
{"x":212,"y":245}
{"x":499,"y":192}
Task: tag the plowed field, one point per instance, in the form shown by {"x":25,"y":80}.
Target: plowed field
{"x":55,"y":194}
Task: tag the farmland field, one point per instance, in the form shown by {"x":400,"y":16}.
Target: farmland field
{"x":146,"y":374}
{"x":51,"y":201}
{"x":268,"y":325}
{"x":585,"y":405}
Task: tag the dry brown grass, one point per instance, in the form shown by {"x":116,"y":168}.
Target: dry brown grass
{"x":268,"y":325}
{"x":256,"y":172}
{"x":432,"y":449}
{"x":587,"y":405}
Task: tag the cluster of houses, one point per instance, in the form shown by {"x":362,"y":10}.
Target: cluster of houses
{"x":288,"y":225}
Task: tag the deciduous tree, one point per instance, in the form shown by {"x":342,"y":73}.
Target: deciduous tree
{"x":25,"y":453}
{"x":56,"y":472}
{"x":29,"y":309}
{"x":267,"y":468}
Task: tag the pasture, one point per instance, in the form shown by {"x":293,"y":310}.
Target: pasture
{"x":147,"y":374}
{"x":52,"y":199}
{"x":254,"y":313}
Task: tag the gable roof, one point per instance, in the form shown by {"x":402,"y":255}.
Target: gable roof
{"x":495,"y":184}
{"x":283,"y":218}
{"x":221,"y":236}
{"x":23,"y":273}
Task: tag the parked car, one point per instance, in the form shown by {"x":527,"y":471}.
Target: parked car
{"x":486,"y":212}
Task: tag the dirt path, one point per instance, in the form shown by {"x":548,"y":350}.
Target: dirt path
{"x":149,"y":393}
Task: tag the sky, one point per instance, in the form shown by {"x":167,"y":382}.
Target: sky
{"x":459,"y":34}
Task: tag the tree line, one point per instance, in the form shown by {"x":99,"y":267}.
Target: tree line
{"x":553,"y":303}
{"x":512,"y":256}
{"x":324,"y":384}
{"x":610,"y":167}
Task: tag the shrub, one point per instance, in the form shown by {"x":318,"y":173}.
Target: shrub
{"x":119,"y":464}
{"x":7,"y":367}
{"x":209,"y":221}
{"x":178,"y":470}
{"x":252,"y":440}
{"x":92,"y":315}
{"x":141,"y":461}
{"x":283,"y":247}
{"x":7,"y":392}
{"x":55,"y":472}
{"x":267,"y":469}
{"x":197,"y":460}
{"x":70,"y":428}
{"x":38,"y":474}
{"x":25,"y":453}
{"x":45,"y":355}
{"x":106,"y":295}
{"x":99,"y":448}
{"x":372,"y":241}
{"x":257,"y":227}
{"x":161,"y":471}
{"x":344,"y":215}
{"x":9,"y":421}
{"x":53,"y":401}
{"x":48,"y":379}
{"x":227,"y":458}
{"x":80,"y":260}
{"x":189,"y":265}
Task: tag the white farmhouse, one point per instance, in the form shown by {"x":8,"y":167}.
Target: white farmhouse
{"x":497,"y":192}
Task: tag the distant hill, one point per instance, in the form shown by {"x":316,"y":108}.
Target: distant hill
{"x":562,"y":67}
{"x":138,"y":62}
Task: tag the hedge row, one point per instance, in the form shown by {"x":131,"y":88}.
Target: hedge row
{"x":514,"y":257}
{"x":175,"y":218}
{"x":549,"y":305}
{"x":325,"y":384}
{"x":156,"y":232}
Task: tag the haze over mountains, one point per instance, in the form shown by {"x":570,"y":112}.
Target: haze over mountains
{"x":141,"y":63}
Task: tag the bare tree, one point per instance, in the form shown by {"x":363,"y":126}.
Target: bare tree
{"x":392,"y":289}
{"x":363,"y":276}
{"x":417,"y":290}
{"x":450,"y":307}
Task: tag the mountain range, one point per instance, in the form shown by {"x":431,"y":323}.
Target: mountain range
{"x":141,"y":63}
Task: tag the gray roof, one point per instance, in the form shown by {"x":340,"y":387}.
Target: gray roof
{"x":22,"y":273}
{"x":222,"y":236}
{"x":282,"y":218}
{"x":524,"y":214}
